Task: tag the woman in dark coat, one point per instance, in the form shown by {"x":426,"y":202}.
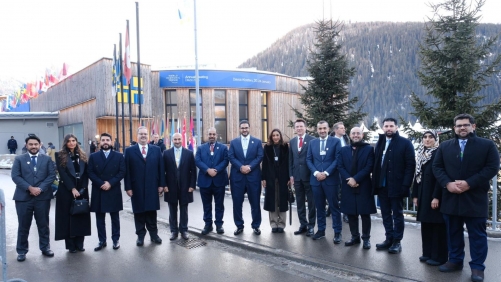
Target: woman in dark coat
{"x":71,"y":164}
{"x":426,"y":195}
{"x":275,"y":180}
{"x":355,"y":166}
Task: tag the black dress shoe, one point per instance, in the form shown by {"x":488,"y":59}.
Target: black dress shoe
{"x":116,"y":245}
{"x":433,"y":262}
{"x":72,"y":251}
{"x":385,"y":245}
{"x":140,"y":242}
{"x":48,"y":253}
{"x":367,"y":244}
{"x":280,"y":230}
{"x":238,"y":231}
{"x":345,"y":218}
{"x":450,"y":267}
{"x":477,"y":275}
{"x":257,"y":231}
{"x":301,"y":230}
{"x":156,"y":240}
{"x":21,"y":257}
{"x":220,"y":230}
{"x":337,"y":238}
{"x":81,"y":249}
{"x":352,"y":241}
{"x":100,"y":246}
{"x":319,"y":235}
{"x":395,"y":248}
{"x":207,"y":229}
{"x":184,"y":235}
{"x":310,"y":232}
{"x":274,"y":230}
{"x":173,"y":236}
{"x":423,"y":258}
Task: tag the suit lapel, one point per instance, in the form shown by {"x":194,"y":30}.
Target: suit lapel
{"x":105,"y":159}
{"x":69,"y":166}
{"x":138,"y":152}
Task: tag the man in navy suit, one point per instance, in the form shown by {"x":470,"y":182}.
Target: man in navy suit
{"x":33,"y":174}
{"x":144,"y":180}
{"x":106,"y":169}
{"x":181,"y":180}
{"x":245,"y":155}
{"x":212,"y":159}
{"x":322,"y":160}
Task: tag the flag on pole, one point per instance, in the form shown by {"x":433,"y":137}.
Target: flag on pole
{"x":162,"y":128}
{"x":172,"y":131}
{"x":167,"y":134}
{"x":191,"y":134}
{"x":127,"y":67}
{"x":183,"y":133}
{"x":114,"y":80}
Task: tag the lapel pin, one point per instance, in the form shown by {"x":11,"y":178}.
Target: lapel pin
{"x":28,"y":162}
{"x":304,"y":142}
{"x":326,"y":149}
{"x":252,"y":142}
{"x":217,"y":148}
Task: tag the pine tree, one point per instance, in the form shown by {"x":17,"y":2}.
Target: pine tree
{"x":455,"y":67}
{"x":326,"y":95}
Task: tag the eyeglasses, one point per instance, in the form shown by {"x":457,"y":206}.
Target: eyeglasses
{"x":463,"y":125}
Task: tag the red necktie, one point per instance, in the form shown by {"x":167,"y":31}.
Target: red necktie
{"x":144,"y":152}
{"x":212,"y":147}
{"x":300,"y":142}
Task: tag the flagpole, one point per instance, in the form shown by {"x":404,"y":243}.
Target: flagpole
{"x":138,"y":64}
{"x":197,"y":83}
{"x":115,"y":90}
{"x":130,"y":90}
{"x":122,"y":94}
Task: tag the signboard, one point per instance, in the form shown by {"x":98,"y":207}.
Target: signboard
{"x":217,"y":79}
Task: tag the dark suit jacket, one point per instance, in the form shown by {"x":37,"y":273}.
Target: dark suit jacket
{"x":111,"y":169}
{"x":23,"y":175}
{"x":480,"y":164}
{"x":179,"y":180}
{"x":253,"y":159}
{"x":144,"y":177}
{"x":399,"y":165}
{"x":297,"y":159}
{"x":327,"y":163}
{"x":218,"y":161}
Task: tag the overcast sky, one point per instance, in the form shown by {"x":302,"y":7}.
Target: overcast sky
{"x":36,"y":34}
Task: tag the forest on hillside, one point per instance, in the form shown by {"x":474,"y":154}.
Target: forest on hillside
{"x":386,"y":59}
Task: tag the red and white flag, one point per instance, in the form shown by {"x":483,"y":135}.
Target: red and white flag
{"x":127,"y":68}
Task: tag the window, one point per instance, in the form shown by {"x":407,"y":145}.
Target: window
{"x":171,"y":107}
{"x":193,"y":113}
{"x":243,"y":105}
{"x":75,"y":129}
{"x":220,"y":113}
{"x":264,"y":114}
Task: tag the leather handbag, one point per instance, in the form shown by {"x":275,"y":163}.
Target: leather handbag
{"x":80,"y":206}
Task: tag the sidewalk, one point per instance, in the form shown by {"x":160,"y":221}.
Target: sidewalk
{"x":323,"y":253}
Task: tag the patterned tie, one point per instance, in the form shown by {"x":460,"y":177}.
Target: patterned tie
{"x":300,"y":143}
{"x":212,"y":147}
{"x":34,"y":162}
{"x":178,"y":151}
{"x":107,"y":153}
{"x":463,"y":143}
{"x":144,"y":152}
{"x":384,"y":152}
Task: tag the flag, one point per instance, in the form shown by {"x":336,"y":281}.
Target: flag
{"x":162,"y":128}
{"x":127,"y":67}
{"x":114,"y":80}
{"x":183,"y":133}
{"x":172,"y":130}
{"x":192,"y":133}
{"x":167,"y":134}
{"x":136,"y":95}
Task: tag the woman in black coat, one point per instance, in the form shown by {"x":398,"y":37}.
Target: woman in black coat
{"x":275,"y":180}
{"x":71,"y":164}
{"x":426,"y":195}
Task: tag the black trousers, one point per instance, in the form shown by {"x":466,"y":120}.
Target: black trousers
{"x":366,"y":225}
{"x":305,"y":193}
{"x":434,"y":241}
{"x":183,"y":217}
{"x":146,"y":220}
{"x":101,"y":226}
{"x":74,"y":242}
{"x":25,"y":212}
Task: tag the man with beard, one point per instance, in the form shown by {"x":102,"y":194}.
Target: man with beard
{"x":392,"y":177}
{"x":144,"y":180}
{"x":33,"y":174}
{"x":106,"y":169}
{"x":464,"y":166}
{"x":355,"y":165}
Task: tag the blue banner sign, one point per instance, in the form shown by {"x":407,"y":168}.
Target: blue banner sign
{"x":216,"y":79}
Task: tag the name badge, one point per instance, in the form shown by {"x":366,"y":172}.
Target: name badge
{"x":322,"y":153}
{"x":276,"y":159}
{"x":212,"y":153}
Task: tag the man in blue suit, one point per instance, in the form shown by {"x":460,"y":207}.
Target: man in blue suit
{"x":144,"y":180}
{"x":245,"y":155}
{"x":212,"y":159}
{"x":106,"y":169}
{"x":322,"y":160}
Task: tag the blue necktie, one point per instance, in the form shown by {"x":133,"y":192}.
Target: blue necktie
{"x":463,"y":143}
{"x":33,"y":162}
{"x":384,"y":152}
{"x":106,"y":154}
{"x":322,"y":146}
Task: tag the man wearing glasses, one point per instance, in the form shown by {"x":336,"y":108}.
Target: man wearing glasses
{"x":464,"y":166}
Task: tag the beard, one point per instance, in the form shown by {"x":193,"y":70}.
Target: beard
{"x":389,"y":134}
{"x":105,"y":147}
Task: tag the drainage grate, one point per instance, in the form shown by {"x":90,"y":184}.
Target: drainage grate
{"x":191,"y":243}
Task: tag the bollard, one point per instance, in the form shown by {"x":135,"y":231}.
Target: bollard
{"x":3,"y":241}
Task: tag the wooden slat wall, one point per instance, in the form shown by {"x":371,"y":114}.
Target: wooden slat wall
{"x":108,"y":125}
{"x":232,"y":115}
{"x":209,"y":113}
{"x":82,"y":113}
{"x":280,"y":112}
{"x":255,"y":116}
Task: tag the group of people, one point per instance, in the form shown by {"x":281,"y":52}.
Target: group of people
{"x":449,"y":186}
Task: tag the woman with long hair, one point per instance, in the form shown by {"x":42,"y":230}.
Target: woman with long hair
{"x":71,"y":164}
{"x":426,"y":195}
{"x":275,"y":180}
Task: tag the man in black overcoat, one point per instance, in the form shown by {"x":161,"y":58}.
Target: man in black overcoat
{"x":12,"y":145}
{"x":106,"y":169}
{"x":464,"y":167}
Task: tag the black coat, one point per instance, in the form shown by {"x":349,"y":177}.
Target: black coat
{"x":179,"y":180}
{"x":425,"y":191}
{"x":12,"y":144}
{"x":363,"y":202}
{"x":480,"y":164}
{"x":70,"y":225}
{"x":399,"y":166}
{"x":111,"y":169}
{"x":270,"y":175}
{"x":160,"y":145}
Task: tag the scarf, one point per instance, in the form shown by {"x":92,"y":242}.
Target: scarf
{"x":423,"y":155}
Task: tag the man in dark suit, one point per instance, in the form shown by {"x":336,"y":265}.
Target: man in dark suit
{"x":144,"y":180}
{"x":245,"y":155}
{"x":181,"y":179}
{"x":212,"y":159}
{"x":106,"y":169}
{"x":300,"y":176}
{"x":322,"y":160}
{"x":12,"y":145}
{"x":392,"y":177}
{"x":33,"y":174}
{"x":464,"y":166}
{"x":158,"y":142}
